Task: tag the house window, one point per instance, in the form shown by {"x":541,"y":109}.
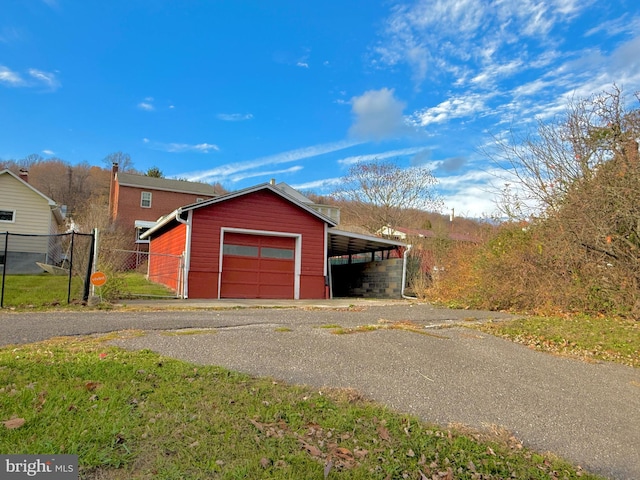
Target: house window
{"x":140,"y":231}
{"x":7,"y":216}
{"x":141,"y":227}
{"x":145,"y":200}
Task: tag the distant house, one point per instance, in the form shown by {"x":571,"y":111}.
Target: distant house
{"x":26,"y":211}
{"x":407,"y":234}
{"x":136,"y":202}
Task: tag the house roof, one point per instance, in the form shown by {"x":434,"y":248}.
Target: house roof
{"x":154,"y":183}
{"x":239,"y":193}
{"x":55,"y":208}
{"x":346,"y":243}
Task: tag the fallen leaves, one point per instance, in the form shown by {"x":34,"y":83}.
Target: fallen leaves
{"x":383,"y":433}
{"x":14,"y":423}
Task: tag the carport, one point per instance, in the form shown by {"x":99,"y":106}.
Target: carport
{"x":364,"y":265}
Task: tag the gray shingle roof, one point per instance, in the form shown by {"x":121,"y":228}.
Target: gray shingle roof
{"x":153,"y":183}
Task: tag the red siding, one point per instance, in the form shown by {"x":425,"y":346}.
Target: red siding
{"x":261,"y":210}
{"x":164,"y":266}
{"x":128,"y":209}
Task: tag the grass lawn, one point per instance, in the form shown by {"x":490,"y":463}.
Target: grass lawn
{"x":589,"y":338}
{"x":51,"y":290}
{"x":137,"y":415}
{"x":41,"y":290}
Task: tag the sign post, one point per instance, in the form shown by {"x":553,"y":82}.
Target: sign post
{"x":98,"y":279}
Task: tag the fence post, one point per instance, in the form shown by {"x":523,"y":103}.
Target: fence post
{"x":4,"y":267}
{"x":70,"y":269}
{"x":87,"y":279}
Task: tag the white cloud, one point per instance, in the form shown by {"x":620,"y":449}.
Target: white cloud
{"x":382,"y":155}
{"x":146,"y":106}
{"x":11,"y":78}
{"x":456,"y":107}
{"x":223,"y":172}
{"x":48,"y":152}
{"x":377,"y":115}
{"x":268,"y":173}
{"x":471,"y":194}
{"x":181,"y":147}
{"x":234,"y":117}
{"x":319,"y":184}
{"x":36,"y":78}
{"x":436,"y":37}
{"x":185,"y":147}
{"x":302,"y":64}
{"x":47,"y":79}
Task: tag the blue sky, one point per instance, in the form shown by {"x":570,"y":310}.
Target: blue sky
{"x":243,"y":91}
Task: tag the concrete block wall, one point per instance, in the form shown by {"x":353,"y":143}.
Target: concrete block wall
{"x":379,"y":279}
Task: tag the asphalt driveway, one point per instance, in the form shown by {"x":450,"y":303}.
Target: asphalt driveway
{"x":587,"y":413}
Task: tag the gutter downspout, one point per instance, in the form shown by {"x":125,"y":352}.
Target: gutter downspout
{"x":185,"y":281}
{"x":404,"y":273}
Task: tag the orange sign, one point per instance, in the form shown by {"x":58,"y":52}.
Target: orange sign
{"x":98,"y":279}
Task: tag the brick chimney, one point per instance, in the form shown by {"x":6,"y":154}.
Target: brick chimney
{"x":24,"y":175}
{"x":112,"y":192}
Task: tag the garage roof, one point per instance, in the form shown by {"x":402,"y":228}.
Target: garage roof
{"x":346,"y":243}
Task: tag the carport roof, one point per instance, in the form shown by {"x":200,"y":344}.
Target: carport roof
{"x":349,"y":243}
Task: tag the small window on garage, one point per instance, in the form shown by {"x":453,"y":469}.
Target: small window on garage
{"x":7,"y":216}
{"x":145,"y":200}
{"x":282,"y":253}
{"x":240,"y":250}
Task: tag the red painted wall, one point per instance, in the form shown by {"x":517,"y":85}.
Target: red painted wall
{"x":166,"y":268}
{"x":128,"y":209}
{"x":262,"y":210}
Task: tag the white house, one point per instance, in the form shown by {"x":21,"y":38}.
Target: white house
{"x":31,"y":216}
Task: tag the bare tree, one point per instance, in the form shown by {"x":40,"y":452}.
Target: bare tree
{"x":580,"y":177}
{"x":383,"y":194}
{"x":123,"y":160}
{"x":538,"y":170}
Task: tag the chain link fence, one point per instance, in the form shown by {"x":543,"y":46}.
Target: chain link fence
{"x":129,"y":274}
{"x":45,"y":269}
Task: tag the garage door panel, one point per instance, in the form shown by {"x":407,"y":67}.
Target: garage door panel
{"x":240,"y":263}
{"x":267,"y":265}
{"x":272,"y":291}
{"x":239,"y":290}
{"x":258,"y":266}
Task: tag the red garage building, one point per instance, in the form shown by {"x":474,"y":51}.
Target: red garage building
{"x":266,"y":241}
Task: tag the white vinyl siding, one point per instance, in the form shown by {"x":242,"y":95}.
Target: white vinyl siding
{"x":32,"y":211}
{"x":32,"y":214}
{"x":145,"y":199}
